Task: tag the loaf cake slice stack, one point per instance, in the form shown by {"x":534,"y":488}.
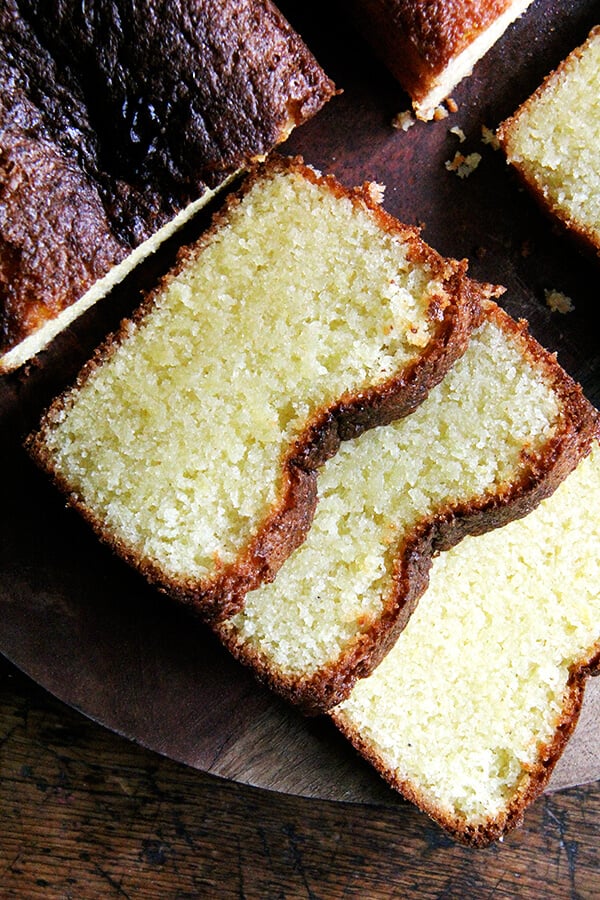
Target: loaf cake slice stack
{"x":499,"y":433}
{"x":553,"y":142}
{"x":431,"y":46}
{"x":469,"y":712}
{"x":117,"y":121}
{"x":305,"y":316}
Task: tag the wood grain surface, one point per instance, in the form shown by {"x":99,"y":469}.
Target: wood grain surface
{"x":85,"y":813}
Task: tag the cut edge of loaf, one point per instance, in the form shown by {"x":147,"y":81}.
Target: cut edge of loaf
{"x":444,"y":528}
{"x":289,"y":519}
{"x":584,"y":236}
{"x":38,"y":340}
{"x":533,"y":782}
{"x":536,"y":753}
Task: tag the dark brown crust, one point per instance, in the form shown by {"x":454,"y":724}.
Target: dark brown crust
{"x":102,"y":143}
{"x":533,"y":780}
{"x":544,"y":471}
{"x":584,"y":237}
{"x":417,"y":40}
{"x":287,"y":523}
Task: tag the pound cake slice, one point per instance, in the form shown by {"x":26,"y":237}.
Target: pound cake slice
{"x":303,"y":317}
{"x":553,"y":142}
{"x":116,"y":122}
{"x":499,"y":433}
{"x":471,"y":709}
{"x":431,"y":46}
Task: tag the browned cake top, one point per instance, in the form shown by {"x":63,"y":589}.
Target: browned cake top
{"x":417,"y":40}
{"x":114,"y":116}
{"x":439,"y":29}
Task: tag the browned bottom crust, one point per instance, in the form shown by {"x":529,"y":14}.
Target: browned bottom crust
{"x":417,"y":41}
{"x":102,"y":143}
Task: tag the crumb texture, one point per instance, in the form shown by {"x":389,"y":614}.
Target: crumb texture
{"x":463,"y":443}
{"x":463,"y":706}
{"x":554,"y":139}
{"x":177,"y":443}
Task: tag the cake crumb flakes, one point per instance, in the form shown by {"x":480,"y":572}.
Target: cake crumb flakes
{"x":462,"y":165}
{"x":459,"y":133}
{"x":452,"y":105}
{"x":403,"y":120}
{"x":376,"y":191}
{"x":489,"y":137}
{"x":440,"y":112}
{"x":556,"y":301}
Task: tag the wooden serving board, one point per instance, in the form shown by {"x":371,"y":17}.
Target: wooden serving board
{"x":90,"y":630}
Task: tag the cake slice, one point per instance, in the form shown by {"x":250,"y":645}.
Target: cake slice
{"x":116,"y":122}
{"x":303,"y":317}
{"x":471,"y":709}
{"x":431,"y":46}
{"x":499,"y":433}
{"x":553,"y":142}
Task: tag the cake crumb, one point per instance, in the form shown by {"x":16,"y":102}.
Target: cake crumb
{"x":462,"y":165}
{"x":489,"y":137}
{"x":556,"y":301}
{"x":452,"y":105}
{"x":459,"y":133}
{"x":376,"y":191}
{"x":403,"y":120}
{"x":440,"y":112}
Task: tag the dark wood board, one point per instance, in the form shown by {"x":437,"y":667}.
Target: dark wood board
{"x":87,"y":628}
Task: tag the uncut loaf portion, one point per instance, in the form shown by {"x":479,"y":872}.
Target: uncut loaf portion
{"x":117,"y":121}
{"x":431,"y":45}
{"x":553,"y":143}
{"x":500,"y":432}
{"x":304,"y":316}
{"x":470,"y":711}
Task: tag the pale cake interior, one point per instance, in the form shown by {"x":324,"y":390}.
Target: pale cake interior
{"x":555,"y":138}
{"x":462,"y":706}
{"x":176,"y":442}
{"x":465,"y":441}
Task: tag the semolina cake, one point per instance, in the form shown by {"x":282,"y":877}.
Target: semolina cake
{"x":496,"y":435}
{"x":117,"y":121}
{"x":471,"y":709}
{"x":553,"y":142}
{"x":430,"y":46}
{"x":304,"y":316}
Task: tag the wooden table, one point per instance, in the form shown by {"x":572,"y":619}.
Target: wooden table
{"x":87,"y":814}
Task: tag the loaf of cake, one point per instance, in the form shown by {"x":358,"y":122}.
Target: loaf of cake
{"x":431,"y":45}
{"x":469,"y":712}
{"x":116,"y":122}
{"x":304,"y":316}
{"x":500,"y":432}
{"x":553,"y":142}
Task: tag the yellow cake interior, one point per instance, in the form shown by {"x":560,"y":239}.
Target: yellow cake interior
{"x":555,"y":138}
{"x":476,"y":683}
{"x":463,"y":442}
